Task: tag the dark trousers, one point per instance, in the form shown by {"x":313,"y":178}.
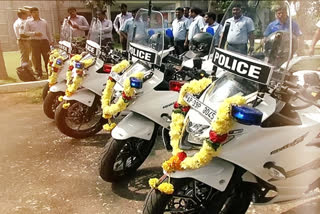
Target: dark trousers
{"x":239,"y":48}
{"x":123,"y":42}
{"x":179,"y":47}
{"x":40,"y":47}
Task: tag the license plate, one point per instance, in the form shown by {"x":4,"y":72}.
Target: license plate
{"x":200,"y":106}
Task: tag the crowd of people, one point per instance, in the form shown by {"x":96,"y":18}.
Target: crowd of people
{"x":34,"y":36}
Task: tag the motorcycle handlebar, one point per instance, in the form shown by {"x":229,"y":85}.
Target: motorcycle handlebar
{"x":288,"y":88}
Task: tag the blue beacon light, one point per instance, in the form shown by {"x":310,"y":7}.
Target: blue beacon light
{"x":247,"y":115}
{"x":135,"y":83}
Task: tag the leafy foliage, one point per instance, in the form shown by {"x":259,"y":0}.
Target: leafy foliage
{"x":98,"y":4}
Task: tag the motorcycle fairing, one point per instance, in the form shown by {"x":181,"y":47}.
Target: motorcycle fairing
{"x":60,"y":86}
{"x":133,"y":125}
{"x":82,"y":95}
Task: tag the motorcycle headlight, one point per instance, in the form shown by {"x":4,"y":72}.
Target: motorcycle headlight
{"x":79,"y":65}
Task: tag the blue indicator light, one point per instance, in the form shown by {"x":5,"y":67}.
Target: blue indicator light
{"x":247,"y":115}
{"x":135,"y":83}
{"x":59,"y":62}
{"x":78,"y":65}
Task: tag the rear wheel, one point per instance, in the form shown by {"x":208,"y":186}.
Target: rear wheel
{"x":123,"y":157}
{"x":79,"y":120}
{"x":51,"y":102}
{"x":192,"y":196}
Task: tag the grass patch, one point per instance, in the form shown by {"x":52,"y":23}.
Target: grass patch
{"x":12,"y":61}
{"x":34,"y":95}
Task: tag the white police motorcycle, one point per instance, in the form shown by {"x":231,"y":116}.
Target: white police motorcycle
{"x":83,"y":117}
{"x":271,"y":154}
{"x":134,"y":136}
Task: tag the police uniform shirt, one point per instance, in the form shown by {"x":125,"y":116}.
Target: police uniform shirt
{"x":239,"y":30}
{"x":196,"y":26}
{"x":127,"y":24}
{"x":276,"y":25}
{"x":18,"y":27}
{"x":179,"y":28}
{"x":106,"y":29}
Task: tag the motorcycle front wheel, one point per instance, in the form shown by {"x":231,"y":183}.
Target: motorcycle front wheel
{"x":121,"y":158}
{"x":51,"y":102}
{"x":79,"y":120}
{"x":192,"y":196}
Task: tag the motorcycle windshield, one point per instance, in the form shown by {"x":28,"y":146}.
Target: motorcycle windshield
{"x":227,"y":86}
{"x":65,"y":45}
{"x":258,"y":31}
{"x":146,"y":36}
{"x":95,"y":31}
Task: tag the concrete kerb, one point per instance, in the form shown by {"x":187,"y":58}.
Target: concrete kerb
{"x":22,"y":86}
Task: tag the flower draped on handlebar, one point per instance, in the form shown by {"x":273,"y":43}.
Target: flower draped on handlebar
{"x":210,"y":147}
{"x":54,"y":66}
{"x":74,"y":79}
{"x":109,"y":110}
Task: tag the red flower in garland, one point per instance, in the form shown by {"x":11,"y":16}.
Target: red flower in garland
{"x":176,"y":105}
{"x":55,"y":70}
{"x":185,"y":109}
{"x":125,"y":96}
{"x":215,"y":138}
{"x":70,"y":67}
{"x":110,"y":78}
{"x":181,"y":155}
{"x":79,"y":72}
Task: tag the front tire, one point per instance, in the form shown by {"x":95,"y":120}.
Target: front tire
{"x":79,"y":121}
{"x":121,"y":158}
{"x":192,"y":196}
{"x":51,"y":103}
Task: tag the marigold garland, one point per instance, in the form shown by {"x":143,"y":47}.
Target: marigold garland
{"x":55,"y":69}
{"x":218,"y":133}
{"x":77,"y":78}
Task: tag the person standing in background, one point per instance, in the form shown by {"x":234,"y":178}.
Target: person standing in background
{"x":106,"y":27}
{"x":23,"y":41}
{"x":38,"y":29}
{"x":210,"y":20}
{"x":316,"y":37}
{"x":240,"y":31}
{"x":180,"y":31}
{"x":118,"y":23}
{"x":197,"y":24}
{"x":78,"y":23}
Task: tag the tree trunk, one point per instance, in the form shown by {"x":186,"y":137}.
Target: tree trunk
{"x":3,"y":71}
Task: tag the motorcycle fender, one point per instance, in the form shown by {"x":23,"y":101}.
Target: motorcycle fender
{"x":133,"y":125}
{"x":216,"y":174}
{"x":61,"y":86}
{"x":84,"y":96}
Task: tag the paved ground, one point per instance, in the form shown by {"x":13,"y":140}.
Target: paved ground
{"x":43,"y":171}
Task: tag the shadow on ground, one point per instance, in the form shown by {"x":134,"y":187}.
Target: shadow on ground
{"x":136,"y":187}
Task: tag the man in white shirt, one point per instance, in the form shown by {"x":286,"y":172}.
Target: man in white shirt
{"x":106,"y":27}
{"x":78,"y":23}
{"x":210,"y":20}
{"x":315,"y":39}
{"x":118,"y":23}
{"x":23,"y":41}
{"x":180,"y":30}
{"x":41,"y":38}
{"x":197,"y":25}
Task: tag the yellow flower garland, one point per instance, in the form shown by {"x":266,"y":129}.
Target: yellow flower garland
{"x":219,"y":127}
{"x":78,"y":77}
{"x":55,"y":69}
{"x":110,"y":110}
